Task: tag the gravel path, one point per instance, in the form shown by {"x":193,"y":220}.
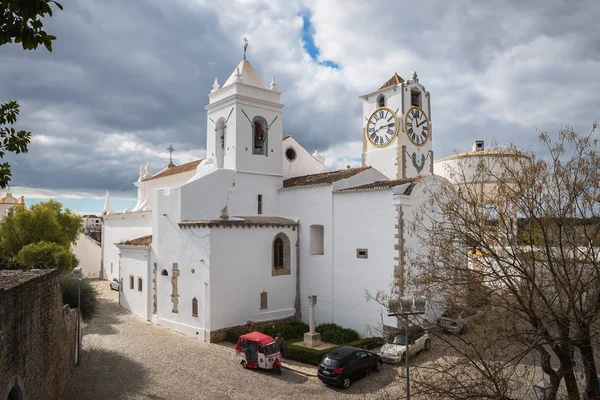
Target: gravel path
{"x":125,"y":357}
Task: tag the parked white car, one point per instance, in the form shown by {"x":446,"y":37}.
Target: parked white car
{"x":394,"y":351}
{"x":114,"y":284}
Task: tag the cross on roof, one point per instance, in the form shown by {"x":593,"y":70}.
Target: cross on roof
{"x":170,"y":149}
{"x":245,"y":46}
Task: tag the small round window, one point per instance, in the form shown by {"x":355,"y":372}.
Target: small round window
{"x":290,"y":154}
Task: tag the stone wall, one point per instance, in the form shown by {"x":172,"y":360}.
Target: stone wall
{"x":37,"y":335}
{"x":220,"y":335}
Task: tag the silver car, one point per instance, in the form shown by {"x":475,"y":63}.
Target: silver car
{"x":394,"y":351}
{"x":456,"y":320}
{"x":114,"y":284}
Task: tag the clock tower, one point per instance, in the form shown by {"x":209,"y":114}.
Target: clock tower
{"x":397,"y":129}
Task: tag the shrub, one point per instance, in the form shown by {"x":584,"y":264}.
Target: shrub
{"x":8,"y":263}
{"x":47,"y":255}
{"x":89,"y":300}
{"x":233,"y":335}
{"x":333,"y":333}
{"x":305,"y":354}
{"x":289,"y":330}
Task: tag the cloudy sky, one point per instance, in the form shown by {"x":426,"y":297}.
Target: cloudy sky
{"x":127,"y":78}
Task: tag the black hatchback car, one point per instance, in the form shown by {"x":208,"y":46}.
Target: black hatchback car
{"x":344,"y":365}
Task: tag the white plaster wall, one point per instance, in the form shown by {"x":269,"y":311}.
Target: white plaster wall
{"x":304,"y":164}
{"x":90,"y":223}
{"x":241,"y":265}
{"x":191,"y":250}
{"x":463,"y":169}
{"x":88,"y":252}
{"x":243,"y":200}
{"x":362,"y":220}
{"x":169,"y":181}
{"x":4,"y":209}
{"x":118,"y":228}
{"x":414,"y":248}
{"x":134,"y":261}
{"x":205,"y":197}
{"x":313,"y":205}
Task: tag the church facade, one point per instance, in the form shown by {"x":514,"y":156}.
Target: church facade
{"x":249,"y":232}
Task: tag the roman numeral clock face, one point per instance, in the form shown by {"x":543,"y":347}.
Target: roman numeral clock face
{"x":382,"y":127}
{"x":418,"y":127}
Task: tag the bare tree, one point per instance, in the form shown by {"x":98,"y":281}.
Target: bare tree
{"x":519,"y":234}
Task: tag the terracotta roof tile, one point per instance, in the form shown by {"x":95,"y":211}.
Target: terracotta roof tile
{"x":322,"y":178}
{"x":394,"y":80}
{"x":141,"y":241}
{"x":385,"y":185}
{"x":239,"y":222}
{"x":177,"y":169}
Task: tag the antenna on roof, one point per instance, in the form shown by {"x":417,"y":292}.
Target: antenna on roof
{"x":245,"y":47}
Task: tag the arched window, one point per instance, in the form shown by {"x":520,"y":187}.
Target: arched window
{"x":415,"y":98}
{"x":194,"y":307}
{"x":15,"y":393}
{"x":281,"y":257}
{"x":381,"y":101}
{"x":164,"y":272}
{"x":259,"y":136}
{"x":278,"y":253}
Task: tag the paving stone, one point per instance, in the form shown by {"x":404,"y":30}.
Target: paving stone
{"x":125,"y":357}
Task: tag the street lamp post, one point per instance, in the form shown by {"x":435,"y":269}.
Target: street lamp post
{"x":406,"y":307}
{"x":542,"y":389}
{"x":77,"y":272}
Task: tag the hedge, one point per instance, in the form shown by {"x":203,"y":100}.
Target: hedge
{"x":233,"y":335}
{"x":289,"y":331}
{"x":333,"y":333}
{"x":314,"y":357}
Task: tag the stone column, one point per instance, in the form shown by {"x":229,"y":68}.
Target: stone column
{"x":174,"y":294}
{"x":155,"y":285}
{"x":312,"y":339}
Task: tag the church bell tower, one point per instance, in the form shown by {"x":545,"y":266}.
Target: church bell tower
{"x":397,"y":129}
{"x":245,"y":123}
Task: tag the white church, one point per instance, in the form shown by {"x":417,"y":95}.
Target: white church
{"x":249,"y":232}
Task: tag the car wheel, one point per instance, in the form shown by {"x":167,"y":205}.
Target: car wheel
{"x":346,"y":383}
{"x":378,"y":366}
{"x":278,"y":370}
{"x":428,"y":345}
{"x":244,"y":364}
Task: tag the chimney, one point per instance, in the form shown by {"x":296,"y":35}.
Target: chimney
{"x":478,"y":145}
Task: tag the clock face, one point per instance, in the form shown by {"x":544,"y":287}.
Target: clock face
{"x":418,"y":127}
{"x":382,"y":127}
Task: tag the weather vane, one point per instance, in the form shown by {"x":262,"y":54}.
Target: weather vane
{"x":245,"y":47}
{"x":170,"y":149}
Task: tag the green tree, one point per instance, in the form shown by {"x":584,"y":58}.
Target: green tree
{"x":10,"y":139}
{"x":46,"y":255}
{"x":42,"y":222}
{"x":20,"y":21}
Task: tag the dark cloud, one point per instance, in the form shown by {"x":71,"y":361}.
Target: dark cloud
{"x":128,"y":78}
